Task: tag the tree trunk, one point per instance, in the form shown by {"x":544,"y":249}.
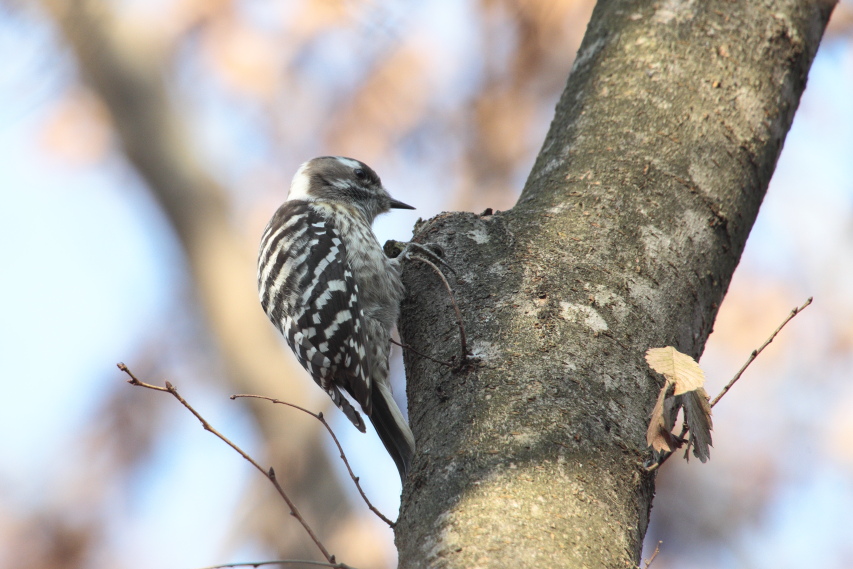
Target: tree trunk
{"x":625,"y":237}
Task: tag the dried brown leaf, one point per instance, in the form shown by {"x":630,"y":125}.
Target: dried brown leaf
{"x":659,"y":434}
{"x":697,"y":413}
{"x":678,"y":368}
{"x":683,"y":388}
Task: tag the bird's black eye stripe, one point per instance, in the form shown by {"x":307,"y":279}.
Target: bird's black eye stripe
{"x":359,"y":173}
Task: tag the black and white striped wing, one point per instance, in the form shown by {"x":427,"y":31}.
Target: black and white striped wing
{"x":308,"y":291}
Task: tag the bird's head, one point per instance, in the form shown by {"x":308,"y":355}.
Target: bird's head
{"x":344,"y":181}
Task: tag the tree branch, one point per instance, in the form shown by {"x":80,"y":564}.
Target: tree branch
{"x":269,"y":474}
{"x":754,"y":354}
{"x":322,"y":419}
{"x":126,"y":66}
{"x":278,"y":562}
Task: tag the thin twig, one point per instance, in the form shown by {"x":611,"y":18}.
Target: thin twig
{"x":408,"y":347}
{"x":755,"y":353}
{"x":734,"y":380}
{"x":322,"y":419}
{"x":424,"y":250}
{"x":655,"y":554}
{"x":462,"y":337}
{"x":294,"y":511}
{"x":277,"y":562}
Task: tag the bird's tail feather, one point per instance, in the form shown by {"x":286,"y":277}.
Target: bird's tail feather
{"x":392,"y":429}
{"x":344,"y":405}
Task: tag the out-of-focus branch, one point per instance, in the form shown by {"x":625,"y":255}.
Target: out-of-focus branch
{"x":128,"y":76}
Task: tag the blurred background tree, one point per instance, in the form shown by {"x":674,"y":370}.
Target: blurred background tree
{"x":147,"y":143}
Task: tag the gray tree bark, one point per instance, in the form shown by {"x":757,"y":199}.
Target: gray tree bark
{"x":625,"y":237}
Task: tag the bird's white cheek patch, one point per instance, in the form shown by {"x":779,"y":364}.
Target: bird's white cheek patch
{"x":299,"y":185}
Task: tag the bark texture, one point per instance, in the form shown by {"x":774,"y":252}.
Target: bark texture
{"x":625,"y":237}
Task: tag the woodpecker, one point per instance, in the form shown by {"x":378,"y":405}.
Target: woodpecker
{"x":325,"y":283}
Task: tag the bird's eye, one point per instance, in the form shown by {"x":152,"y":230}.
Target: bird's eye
{"x":359,"y":173}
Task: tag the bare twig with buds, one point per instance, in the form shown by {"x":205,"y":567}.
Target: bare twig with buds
{"x":322,"y":419}
{"x":270,"y":474}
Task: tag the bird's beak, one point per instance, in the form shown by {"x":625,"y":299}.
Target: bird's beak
{"x":399,"y":205}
